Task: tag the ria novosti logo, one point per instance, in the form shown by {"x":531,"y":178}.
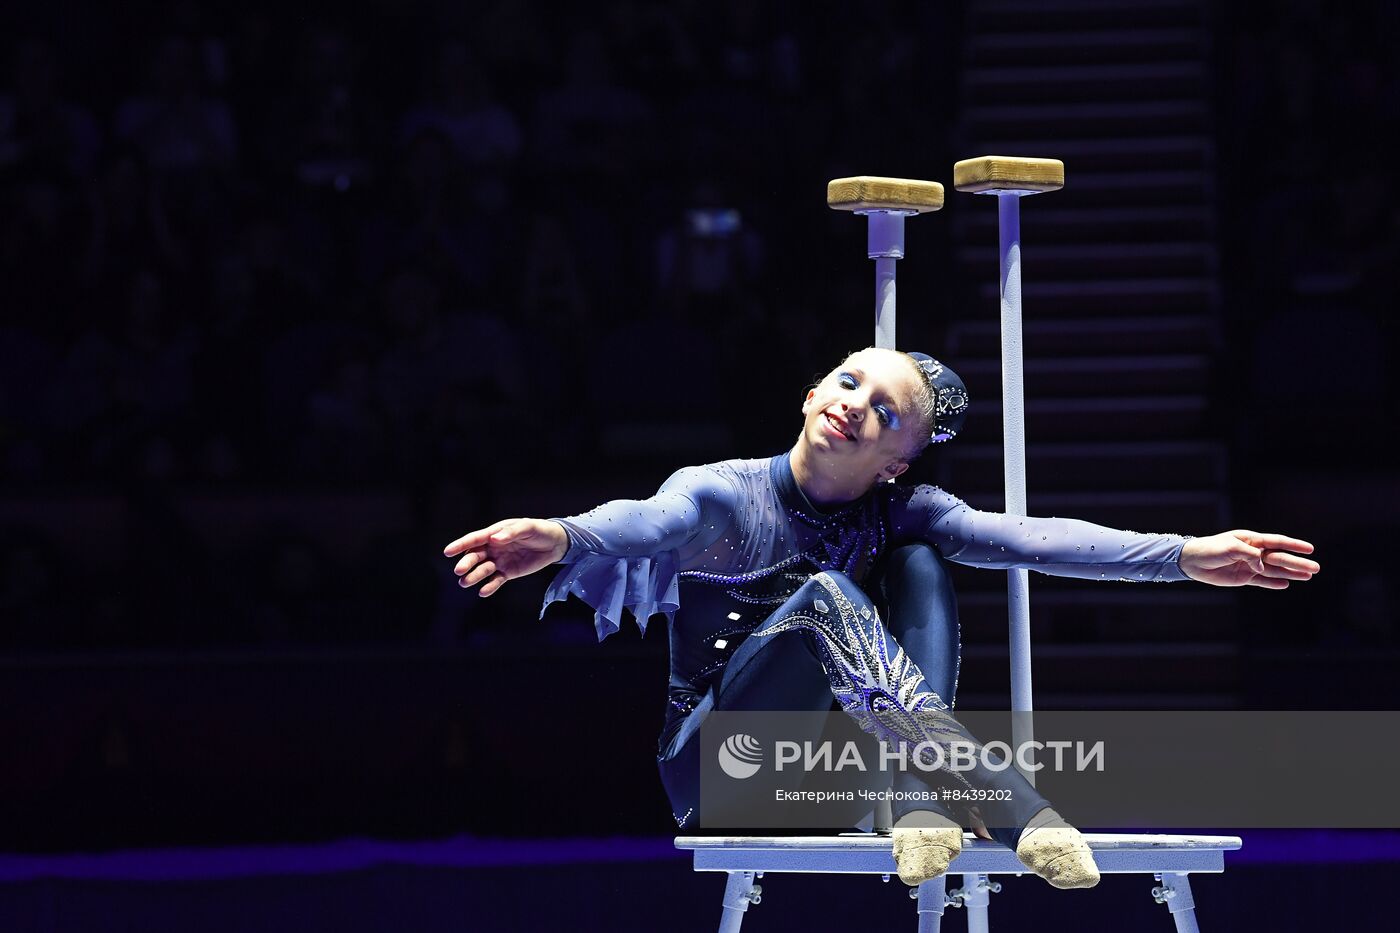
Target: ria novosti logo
{"x":740,"y":756}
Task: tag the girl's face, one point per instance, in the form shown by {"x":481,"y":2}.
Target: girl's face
{"x":862,"y":414}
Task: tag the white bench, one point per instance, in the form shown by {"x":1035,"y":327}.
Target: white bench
{"x":1170,"y":859}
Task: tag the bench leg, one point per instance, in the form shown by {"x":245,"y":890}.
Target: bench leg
{"x":932,"y":896}
{"x":976,"y":897}
{"x":1175,"y":892}
{"x":739,"y":893}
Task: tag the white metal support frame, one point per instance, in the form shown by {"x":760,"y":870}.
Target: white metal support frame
{"x":745,"y":858}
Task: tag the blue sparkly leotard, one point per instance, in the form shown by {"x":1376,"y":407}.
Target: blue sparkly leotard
{"x":742,"y":532}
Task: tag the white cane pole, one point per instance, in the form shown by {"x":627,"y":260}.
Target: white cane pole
{"x":1011,"y":179}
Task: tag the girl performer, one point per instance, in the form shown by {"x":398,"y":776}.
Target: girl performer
{"x":770,"y":573}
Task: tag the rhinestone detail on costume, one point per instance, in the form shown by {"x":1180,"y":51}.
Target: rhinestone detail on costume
{"x":888,"y":697}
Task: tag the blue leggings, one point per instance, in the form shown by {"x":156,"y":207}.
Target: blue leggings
{"x":820,"y":644}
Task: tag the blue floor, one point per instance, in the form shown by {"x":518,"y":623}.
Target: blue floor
{"x":1293,"y":880}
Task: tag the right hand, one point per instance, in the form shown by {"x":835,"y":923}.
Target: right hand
{"x":514,"y":547}
{"x":1247,"y":558}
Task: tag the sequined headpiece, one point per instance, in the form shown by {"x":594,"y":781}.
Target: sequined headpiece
{"x":950,"y":398}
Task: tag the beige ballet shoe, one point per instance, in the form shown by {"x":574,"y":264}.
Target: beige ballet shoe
{"x":1057,"y":852}
{"x":925,"y":843}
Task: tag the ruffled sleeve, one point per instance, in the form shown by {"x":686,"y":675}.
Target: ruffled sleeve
{"x":626,"y":554}
{"x":642,"y":585}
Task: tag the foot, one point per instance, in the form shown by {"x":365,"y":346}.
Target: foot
{"x":977,"y":826}
{"x":1057,"y":852}
{"x":924,"y":844}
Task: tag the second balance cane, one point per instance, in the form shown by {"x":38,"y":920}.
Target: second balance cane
{"x":1010,"y":179}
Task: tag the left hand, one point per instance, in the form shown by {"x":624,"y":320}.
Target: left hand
{"x":1247,"y":558}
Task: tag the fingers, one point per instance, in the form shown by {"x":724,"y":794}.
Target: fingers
{"x":474,"y":567}
{"x":502,"y":532}
{"x":1288,"y":566}
{"x":1241,"y":551}
{"x":468,"y":562}
{"x":482,"y":573}
{"x":1279,"y":573}
{"x":1292,"y":562}
{"x":478,"y":574}
{"x":1276,"y":542}
{"x":473,"y":539}
{"x":1268,"y":556}
{"x":510,"y":533}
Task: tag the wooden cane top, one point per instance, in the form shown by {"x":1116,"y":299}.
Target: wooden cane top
{"x":1008,"y":173}
{"x":872,"y":193}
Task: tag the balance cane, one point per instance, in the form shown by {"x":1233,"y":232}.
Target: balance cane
{"x":885,"y":202}
{"x":1010,"y":179}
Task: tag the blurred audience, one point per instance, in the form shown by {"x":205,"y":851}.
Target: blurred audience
{"x":256,"y":255}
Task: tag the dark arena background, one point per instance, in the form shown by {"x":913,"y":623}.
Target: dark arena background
{"x":295,"y":293}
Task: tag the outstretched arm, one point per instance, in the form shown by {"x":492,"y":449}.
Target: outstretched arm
{"x":692,"y":499}
{"x":1072,"y":548}
{"x":1062,"y":547}
{"x":1247,"y":558}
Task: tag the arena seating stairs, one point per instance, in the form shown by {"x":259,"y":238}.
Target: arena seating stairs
{"x":1089,"y":120}
{"x":1145,"y":224}
{"x":1121,"y":325}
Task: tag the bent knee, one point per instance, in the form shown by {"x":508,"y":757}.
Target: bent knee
{"x":920,"y":558}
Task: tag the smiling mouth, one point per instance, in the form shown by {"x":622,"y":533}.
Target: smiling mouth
{"x":837,"y":428}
